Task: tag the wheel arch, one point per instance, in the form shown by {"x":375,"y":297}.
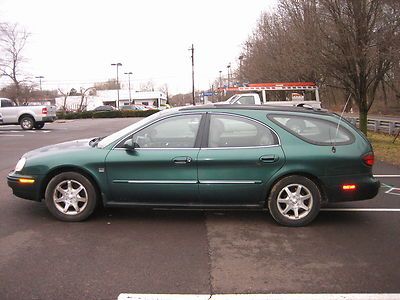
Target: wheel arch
{"x":307,"y":175}
{"x":62,"y":169}
{"x":26,"y":115}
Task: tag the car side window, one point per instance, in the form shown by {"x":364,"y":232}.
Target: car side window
{"x":314,"y":130}
{"x":233,"y":131}
{"x":246,"y":100}
{"x":173,"y":132}
{"x":6,"y":103}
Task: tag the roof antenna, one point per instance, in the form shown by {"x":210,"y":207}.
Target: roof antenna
{"x":340,"y":120}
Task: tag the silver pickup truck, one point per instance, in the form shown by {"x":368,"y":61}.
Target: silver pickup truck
{"x":28,"y":117}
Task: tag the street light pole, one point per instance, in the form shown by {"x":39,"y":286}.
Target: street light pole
{"x":220,"y":79}
{"x":129,"y":84}
{"x":117,"y":65}
{"x":40,"y":81}
{"x":192,"y":49}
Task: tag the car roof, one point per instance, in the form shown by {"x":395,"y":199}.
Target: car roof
{"x":267,"y":108}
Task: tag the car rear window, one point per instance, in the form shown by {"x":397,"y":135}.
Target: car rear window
{"x":314,"y":130}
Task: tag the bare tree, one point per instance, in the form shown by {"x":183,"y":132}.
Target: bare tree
{"x":84,"y":94}
{"x":147,"y":86}
{"x":65,"y":95}
{"x":360,"y":45}
{"x":351,"y":45}
{"x":13,"y":39}
{"x":110,"y":84}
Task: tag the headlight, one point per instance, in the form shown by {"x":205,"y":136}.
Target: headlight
{"x":20,"y":164}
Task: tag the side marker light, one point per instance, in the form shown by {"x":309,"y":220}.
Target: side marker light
{"x":26,"y":180}
{"x":349,"y":187}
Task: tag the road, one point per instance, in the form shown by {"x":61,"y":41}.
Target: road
{"x":134,"y":251}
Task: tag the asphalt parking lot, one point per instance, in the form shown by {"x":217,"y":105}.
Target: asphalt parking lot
{"x":349,"y":248}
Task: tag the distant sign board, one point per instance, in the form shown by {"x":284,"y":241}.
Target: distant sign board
{"x":207,"y":94}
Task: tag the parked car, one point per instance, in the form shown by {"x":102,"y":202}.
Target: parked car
{"x":289,"y":160}
{"x":28,"y":117}
{"x":133,"y":107}
{"x":104,"y":108}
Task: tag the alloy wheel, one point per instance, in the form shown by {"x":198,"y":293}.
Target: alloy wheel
{"x":70,"y":197}
{"x":295,"y":201}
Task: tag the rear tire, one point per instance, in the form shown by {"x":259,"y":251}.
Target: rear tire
{"x":294,"y":201}
{"x":27,"y":123}
{"x":39,"y":125}
{"x":70,"y":197}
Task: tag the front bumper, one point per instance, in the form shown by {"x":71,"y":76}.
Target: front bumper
{"x":30,"y":191}
{"x":367,"y":187}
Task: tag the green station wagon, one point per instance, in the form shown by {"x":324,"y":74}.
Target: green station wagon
{"x":290,"y":161}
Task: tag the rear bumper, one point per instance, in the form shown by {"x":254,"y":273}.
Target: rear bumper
{"x":367,"y":187}
{"x":29,"y":191}
{"x":49,"y":119}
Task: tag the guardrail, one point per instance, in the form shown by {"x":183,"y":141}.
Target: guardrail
{"x":379,"y":125}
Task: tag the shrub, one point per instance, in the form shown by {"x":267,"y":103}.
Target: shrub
{"x":106,"y":114}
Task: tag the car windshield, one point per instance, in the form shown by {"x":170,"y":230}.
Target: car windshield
{"x":121,"y":133}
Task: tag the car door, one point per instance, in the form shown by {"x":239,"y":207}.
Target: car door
{"x":8,"y":111}
{"x":162,"y":169}
{"x":239,"y":156}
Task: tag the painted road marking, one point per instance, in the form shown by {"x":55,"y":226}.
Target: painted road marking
{"x":6,"y":133}
{"x":37,"y":131}
{"x":163,"y":297}
{"x":391,"y":189}
{"x":260,"y":297}
{"x":387,"y":176}
{"x":361,"y":209}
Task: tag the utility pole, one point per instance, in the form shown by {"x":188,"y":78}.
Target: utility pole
{"x":192,"y":49}
{"x":220,"y":86}
{"x":240,"y":68}
{"x":229,"y":76}
{"x":40,"y":81}
{"x":117,"y":65}
{"x":129,"y":85}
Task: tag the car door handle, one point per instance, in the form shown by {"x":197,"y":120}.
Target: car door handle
{"x":182,"y":160}
{"x":269,"y":158}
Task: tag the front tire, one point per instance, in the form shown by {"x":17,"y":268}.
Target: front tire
{"x":294,"y":201}
{"x":27,"y":123}
{"x":71,"y":197}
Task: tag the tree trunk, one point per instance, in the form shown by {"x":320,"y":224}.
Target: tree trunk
{"x":363,"y":113}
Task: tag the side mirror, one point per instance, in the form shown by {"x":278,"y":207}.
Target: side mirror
{"x":130,"y":145}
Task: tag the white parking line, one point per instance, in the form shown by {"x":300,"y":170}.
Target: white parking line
{"x":162,"y":297}
{"x":387,"y":176}
{"x":11,"y":135}
{"x":362,"y":209}
{"x":260,"y":297}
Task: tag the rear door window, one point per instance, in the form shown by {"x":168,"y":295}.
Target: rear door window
{"x":314,"y":130}
{"x":246,"y":100}
{"x":233,"y":131}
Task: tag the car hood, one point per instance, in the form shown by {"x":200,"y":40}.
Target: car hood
{"x":61,"y":147}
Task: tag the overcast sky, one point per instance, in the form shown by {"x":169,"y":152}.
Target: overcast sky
{"x":73,"y":42}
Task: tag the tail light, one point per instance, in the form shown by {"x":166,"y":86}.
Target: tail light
{"x":44,"y":111}
{"x":369,"y":159}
